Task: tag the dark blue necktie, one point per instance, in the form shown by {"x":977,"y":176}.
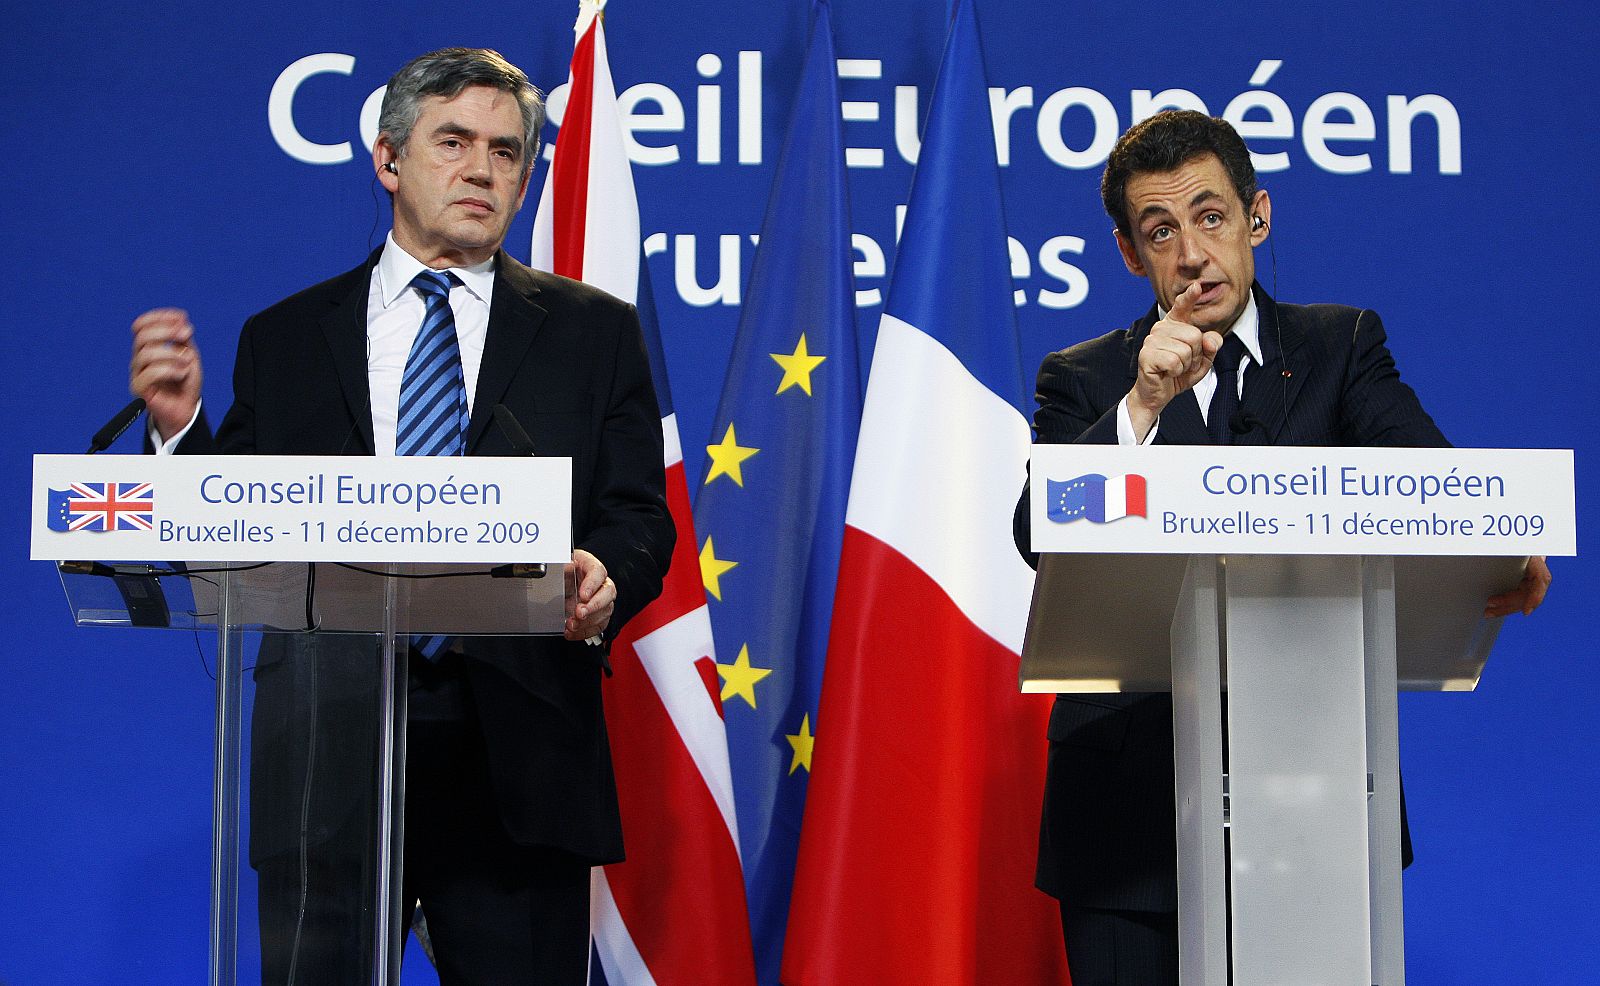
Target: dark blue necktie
{"x":1225,"y":401}
{"x":433,"y":394}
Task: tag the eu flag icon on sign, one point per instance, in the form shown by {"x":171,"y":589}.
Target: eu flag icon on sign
{"x":57,"y":518}
{"x":1095,"y":497}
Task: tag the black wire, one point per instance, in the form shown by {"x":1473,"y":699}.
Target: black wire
{"x":415,"y":575}
{"x":305,"y":820}
{"x":1283,"y":357}
{"x":311,"y":592}
{"x":162,"y":573}
{"x":200,"y":653}
{"x":377,"y":212}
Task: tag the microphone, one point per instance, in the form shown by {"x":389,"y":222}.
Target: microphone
{"x":1243,"y":422}
{"x":521,"y":444}
{"x":512,"y":429}
{"x":114,"y":428}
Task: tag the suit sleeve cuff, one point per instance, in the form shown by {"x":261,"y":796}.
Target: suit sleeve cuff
{"x":170,"y":445}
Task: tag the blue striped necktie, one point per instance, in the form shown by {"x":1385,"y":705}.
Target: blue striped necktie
{"x":433,"y":394}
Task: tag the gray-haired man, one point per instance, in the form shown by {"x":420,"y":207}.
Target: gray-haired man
{"x":510,"y":792}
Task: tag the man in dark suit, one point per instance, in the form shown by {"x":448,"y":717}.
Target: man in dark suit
{"x":510,"y":792}
{"x":1215,"y":361}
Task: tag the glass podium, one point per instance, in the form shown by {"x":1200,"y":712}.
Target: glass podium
{"x":308,"y":787}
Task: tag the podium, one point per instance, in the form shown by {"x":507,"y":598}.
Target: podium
{"x":309,"y":748}
{"x":1289,"y":850}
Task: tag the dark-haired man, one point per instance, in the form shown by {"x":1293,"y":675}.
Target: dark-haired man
{"x":1182,"y":193}
{"x":510,"y":792}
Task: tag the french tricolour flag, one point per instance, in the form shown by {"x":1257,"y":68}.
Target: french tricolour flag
{"x":674,"y":912}
{"x":921,"y":824}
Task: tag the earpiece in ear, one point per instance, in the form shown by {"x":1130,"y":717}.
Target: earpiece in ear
{"x":389,"y":167}
{"x":1257,"y":223}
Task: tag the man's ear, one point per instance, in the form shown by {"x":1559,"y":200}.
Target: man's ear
{"x":1130,"y":256}
{"x":1260,"y":208}
{"x":383,"y":162}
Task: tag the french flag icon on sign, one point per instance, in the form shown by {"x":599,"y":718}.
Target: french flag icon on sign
{"x":1095,"y":497}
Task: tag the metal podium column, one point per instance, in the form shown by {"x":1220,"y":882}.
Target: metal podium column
{"x":224,"y":942}
{"x":394,"y":695}
{"x":1297,"y":770}
{"x":1197,"y":738}
{"x":1383,"y":760}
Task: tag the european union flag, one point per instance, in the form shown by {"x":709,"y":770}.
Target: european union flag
{"x":57,"y":517}
{"x":770,"y":511}
{"x":1072,"y":499}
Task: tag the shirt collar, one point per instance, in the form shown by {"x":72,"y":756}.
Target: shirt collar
{"x":1247,"y":327}
{"x":396,"y":269}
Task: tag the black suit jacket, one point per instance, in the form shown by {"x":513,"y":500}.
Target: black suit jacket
{"x":1107,"y":835}
{"x":568,"y":360}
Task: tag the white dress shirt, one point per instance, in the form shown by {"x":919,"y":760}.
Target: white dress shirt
{"x":394,"y":317}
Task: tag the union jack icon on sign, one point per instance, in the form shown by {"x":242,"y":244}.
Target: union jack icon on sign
{"x":103,"y":507}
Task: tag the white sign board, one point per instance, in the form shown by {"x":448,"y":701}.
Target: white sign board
{"x":225,"y":508}
{"x":1188,"y":499}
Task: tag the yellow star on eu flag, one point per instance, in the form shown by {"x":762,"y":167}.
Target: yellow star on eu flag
{"x":797,"y":367}
{"x":802,"y":746}
{"x":727,"y":457}
{"x":739,"y":678}
{"x":712,"y":569}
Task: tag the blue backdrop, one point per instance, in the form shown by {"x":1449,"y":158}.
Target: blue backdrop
{"x":1435,"y":166}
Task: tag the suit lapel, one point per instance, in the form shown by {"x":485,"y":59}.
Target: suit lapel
{"x":514,"y":319}
{"x":1271,"y":396}
{"x":344,"y":329}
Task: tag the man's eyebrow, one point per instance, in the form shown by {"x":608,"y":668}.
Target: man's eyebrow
{"x":508,"y":142}
{"x":1157,"y":209}
{"x":1154,"y":209}
{"x":457,"y":129}
{"x":451,"y":128}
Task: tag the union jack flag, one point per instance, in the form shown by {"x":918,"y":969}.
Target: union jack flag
{"x":103,"y":507}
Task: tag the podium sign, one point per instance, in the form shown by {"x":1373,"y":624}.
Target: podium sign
{"x":1260,"y":500}
{"x":225,"y":508}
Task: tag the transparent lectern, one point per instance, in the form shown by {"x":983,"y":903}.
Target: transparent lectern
{"x":308,"y":782}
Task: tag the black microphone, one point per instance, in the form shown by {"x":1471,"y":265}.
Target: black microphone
{"x":1243,"y":422}
{"x":512,"y":428}
{"x":521,"y":444}
{"x":519,"y":570}
{"x":114,"y":428}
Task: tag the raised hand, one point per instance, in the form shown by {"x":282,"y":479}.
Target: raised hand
{"x":1175,"y":356}
{"x":165,"y":369}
